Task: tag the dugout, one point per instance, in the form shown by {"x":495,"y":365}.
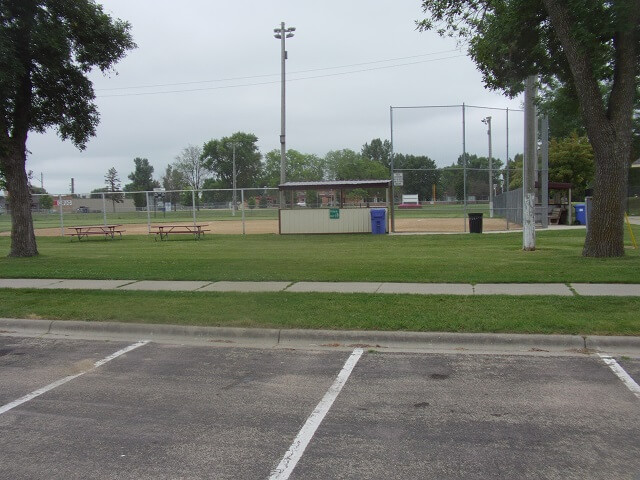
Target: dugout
{"x":336,"y":209}
{"x":558,"y":198}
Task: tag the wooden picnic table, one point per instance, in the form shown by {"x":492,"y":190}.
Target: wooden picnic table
{"x":108,"y":231}
{"x":195,"y":229}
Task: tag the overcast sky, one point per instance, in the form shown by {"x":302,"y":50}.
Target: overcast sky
{"x":205,"y":69}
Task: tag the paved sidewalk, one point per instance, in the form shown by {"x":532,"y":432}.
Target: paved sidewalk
{"x":555,"y":289}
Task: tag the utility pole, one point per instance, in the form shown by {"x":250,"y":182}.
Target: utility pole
{"x":530,"y":160}
{"x":234,"y":145}
{"x":487,"y":121}
{"x":72,"y":186}
{"x":283,"y":33}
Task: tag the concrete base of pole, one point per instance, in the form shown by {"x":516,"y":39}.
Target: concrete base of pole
{"x":528,"y":224}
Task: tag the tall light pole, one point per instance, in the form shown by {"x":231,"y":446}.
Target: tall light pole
{"x":234,"y":145}
{"x":487,"y":121}
{"x":283,"y":33}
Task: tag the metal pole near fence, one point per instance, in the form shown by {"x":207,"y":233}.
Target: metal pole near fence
{"x":544,"y":174}
{"x":464,"y":166}
{"x":193,"y":205}
{"x":242,"y":207}
{"x":146,"y":194}
{"x":104,"y":210}
{"x":61,"y":217}
{"x":391,"y":213}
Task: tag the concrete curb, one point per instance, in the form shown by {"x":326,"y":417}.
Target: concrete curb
{"x":151,"y":332}
{"x":612,"y":343}
{"x":430,"y":339}
{"x":290,"y":338}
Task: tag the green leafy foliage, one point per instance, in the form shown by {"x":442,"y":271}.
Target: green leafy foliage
{"x":300,"y":167}
{"x":47,"y":48}
{"x":571,"y":161}
{"x":378,"y":151}
{"x":217,"y":157}
{"x":47,"y":81}
{"x":141,"y":181}
{"x":348,"y":165}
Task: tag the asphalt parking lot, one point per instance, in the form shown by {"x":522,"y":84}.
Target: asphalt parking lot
{"x":176,"y":411}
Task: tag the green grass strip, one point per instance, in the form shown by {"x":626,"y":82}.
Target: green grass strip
{"x":505,"y":314}
{"x":467,"y":258}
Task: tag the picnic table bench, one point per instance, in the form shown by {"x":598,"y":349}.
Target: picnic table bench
{"x":108,"y":231}
{"x":554,"y":216}
{"x":163,"y":231}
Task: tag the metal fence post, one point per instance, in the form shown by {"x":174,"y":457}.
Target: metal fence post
{"x":193,"y":205}
{"x":146,"y":194}
{"x":464,"y":166}
{"x":242,"y":206}
{"x":61,"y":217}
{"x":104,"y":209}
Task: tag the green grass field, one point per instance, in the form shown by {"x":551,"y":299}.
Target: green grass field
{"x":420,"y":258}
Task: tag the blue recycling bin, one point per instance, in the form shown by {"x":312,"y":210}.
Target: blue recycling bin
{"x":581,"y":213}
{"x":378,"y":221}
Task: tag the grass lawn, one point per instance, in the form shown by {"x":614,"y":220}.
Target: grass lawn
{"x":420,"y":258}
{"x":557,"y":315}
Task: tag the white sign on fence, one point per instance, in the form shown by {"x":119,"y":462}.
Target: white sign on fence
{"x":398,"y":179}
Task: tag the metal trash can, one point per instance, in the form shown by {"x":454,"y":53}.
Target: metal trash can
{"x":475,"y":223}
{"x":378,"y":221}
{"x":581,"y":213}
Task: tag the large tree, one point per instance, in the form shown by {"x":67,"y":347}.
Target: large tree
{"x":141,"y":181}
{"x":112,"y":180}
{"x":191,"y":166}
{"x":172,"y":181}
{"x":592,"y":48}
{"x":348,"y":165}
{"x":217,"y":156}
{"x":47,"y":47}
{"x":378,"y":150}
{"x":300,"y":167}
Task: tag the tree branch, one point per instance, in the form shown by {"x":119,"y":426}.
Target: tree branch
{"x":586,"y":84}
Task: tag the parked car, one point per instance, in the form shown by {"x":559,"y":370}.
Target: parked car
{"x":301,"y":204}
{"x":82,"y":209}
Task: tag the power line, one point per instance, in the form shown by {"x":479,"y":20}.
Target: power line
{"x":273,"y":74}
{"x":277,"y":81}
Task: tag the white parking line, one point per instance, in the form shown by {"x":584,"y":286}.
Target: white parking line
{"x":62,"y":381}
{"x":297,"y":448}
{"x":622,"y":374}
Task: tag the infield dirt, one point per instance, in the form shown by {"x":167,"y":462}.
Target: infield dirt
{"x":253,"y":227}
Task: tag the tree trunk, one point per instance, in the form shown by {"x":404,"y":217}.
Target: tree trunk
{"x":608,"y":126}
{"x":23,"y":239}
{"x":605,"y":233}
